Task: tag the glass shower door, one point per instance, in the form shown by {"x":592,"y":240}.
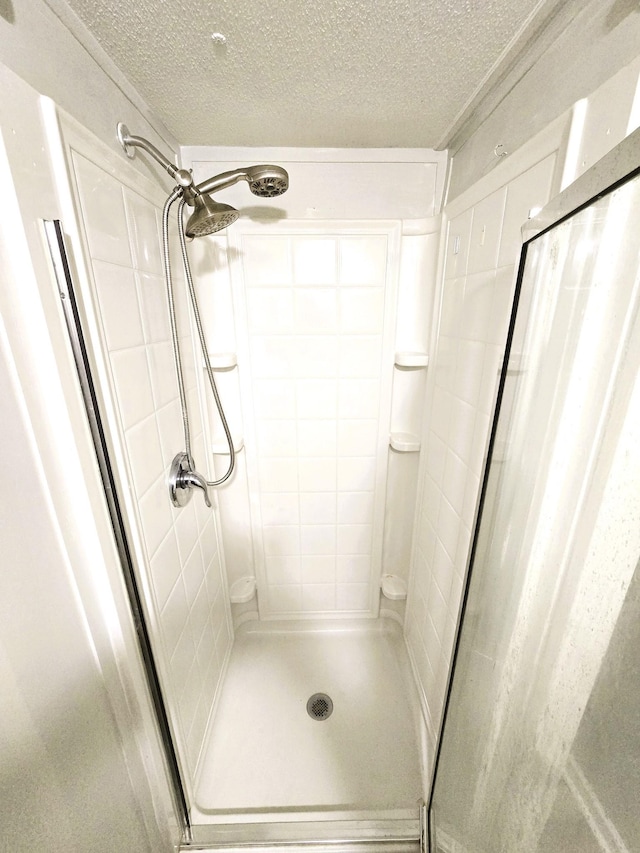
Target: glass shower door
{"x":540,"y":749}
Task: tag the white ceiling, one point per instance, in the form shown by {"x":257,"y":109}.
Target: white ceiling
{"x":321,"y":73}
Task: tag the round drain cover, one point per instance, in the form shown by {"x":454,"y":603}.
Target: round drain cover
{"x":319,"y":706}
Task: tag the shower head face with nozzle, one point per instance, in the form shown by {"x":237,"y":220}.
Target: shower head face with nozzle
{"x":267,"y":181}
{"x":209,"y":216}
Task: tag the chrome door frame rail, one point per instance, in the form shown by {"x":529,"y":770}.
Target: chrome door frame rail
{"x":381,"y":836}
{"x":60,"y":259}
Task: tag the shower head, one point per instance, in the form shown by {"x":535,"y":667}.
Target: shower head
{"x":267,"y":181}
{"x":209,"y":216}
{"x":264,"y":181}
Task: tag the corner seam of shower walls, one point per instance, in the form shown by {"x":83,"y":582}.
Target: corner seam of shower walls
{"x":246,"y":409}
{"x":431,"y":728}
{"x":390,"y":340}
{"x":203,"y":396}
{"x":427,"y":406}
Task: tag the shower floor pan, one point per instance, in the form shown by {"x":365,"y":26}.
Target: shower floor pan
{"x":266,"y":759}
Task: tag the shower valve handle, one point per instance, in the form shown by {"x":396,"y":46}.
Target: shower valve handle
{"x":183,"y":478}
{"x":197,"y":481}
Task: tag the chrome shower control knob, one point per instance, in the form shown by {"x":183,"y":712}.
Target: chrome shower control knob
{"x":183,"y":478}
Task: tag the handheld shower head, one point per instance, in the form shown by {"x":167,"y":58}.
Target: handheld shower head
{"x":267,"y":181}
{"x":209,"y":216}
{"x":264,"y":181}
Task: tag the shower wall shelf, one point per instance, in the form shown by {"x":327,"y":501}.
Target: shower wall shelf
{"x":223,"y":360}
{"x":393,"y":587}
{"x":404,"y":442}
{"x":408,"y":358}
{"x":242,"y":590}
{"x":221,"y":448}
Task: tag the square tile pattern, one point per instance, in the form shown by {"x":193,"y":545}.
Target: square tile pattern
{"x":181,"y":545}
{"x":315,"y":329}
{"x":483,"y":245}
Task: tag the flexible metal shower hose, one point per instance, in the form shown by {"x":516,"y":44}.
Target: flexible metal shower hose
{"x":177,"y":192}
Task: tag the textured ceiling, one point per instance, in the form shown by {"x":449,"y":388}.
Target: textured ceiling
{"x":322,"y":73}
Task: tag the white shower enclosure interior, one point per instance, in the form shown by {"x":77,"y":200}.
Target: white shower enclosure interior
{"x":359,"y":393}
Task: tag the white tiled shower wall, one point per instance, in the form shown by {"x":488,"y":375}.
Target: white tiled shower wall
{"x":311,"y":320}
{"x":483,"y":241}
{"x":315,"y":325}
{"x":482,"y":248}
{"x":181,"y":561}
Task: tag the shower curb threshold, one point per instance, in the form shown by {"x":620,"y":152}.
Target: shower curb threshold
{"x":390,"y":836}
{"x":382,"y":846}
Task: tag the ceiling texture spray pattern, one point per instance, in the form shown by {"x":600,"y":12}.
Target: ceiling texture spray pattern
{"x":331,"y":73}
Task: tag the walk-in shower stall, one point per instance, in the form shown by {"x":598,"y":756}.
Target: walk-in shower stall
{"x":292,"y":421}
{"x":257,"y":377}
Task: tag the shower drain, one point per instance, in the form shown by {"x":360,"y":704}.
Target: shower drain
{"x":319,"y":706}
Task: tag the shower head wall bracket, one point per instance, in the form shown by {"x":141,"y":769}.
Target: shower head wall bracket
{"x":129,"y":143}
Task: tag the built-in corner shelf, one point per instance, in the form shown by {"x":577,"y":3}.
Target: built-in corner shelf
{"x":223,"y":360}
{"x":242,"y":590}
{"x":221,"y":448}
{"x":404,"y":442}
{"x":393,"y":587}
{"x":411,"y":358}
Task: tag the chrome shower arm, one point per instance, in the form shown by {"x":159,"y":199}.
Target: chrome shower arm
{"x":181,"y":176}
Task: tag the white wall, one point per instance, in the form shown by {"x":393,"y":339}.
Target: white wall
{"x":482,"y":241}
{"x":46,"y":45}
{"x":583,"y":45}
{"x":81,"y":767}
{"x":64,"y":781}
{"x":561,"y":536}
{"x":124,"y":306}
{"x":482,"y":245}
{"x":307,"y":307}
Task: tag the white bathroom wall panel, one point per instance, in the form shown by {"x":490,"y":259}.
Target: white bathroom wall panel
{"x":374,"y":184}
{"x":603,"y":120}
{"x":483,"y":240}
{"x":315,"y":319}
{"x":78,"y":737}
{"x":584,"y":45}
{"x":312,"y":285}
{"x":482,"y":247}
{"x":176,"y":550}
{"x":418,"y":268}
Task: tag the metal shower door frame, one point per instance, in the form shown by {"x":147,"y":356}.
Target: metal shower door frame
{"x":613,"y":170}
{"x":64,"y":280}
